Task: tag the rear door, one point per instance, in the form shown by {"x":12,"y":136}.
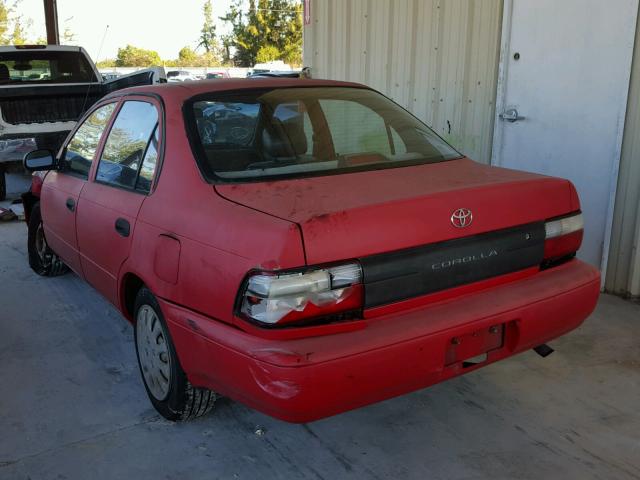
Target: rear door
{"x":61,"y":189}
{"x":111,"y":200}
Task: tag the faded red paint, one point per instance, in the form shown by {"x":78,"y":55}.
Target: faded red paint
{"x":220,"y":233}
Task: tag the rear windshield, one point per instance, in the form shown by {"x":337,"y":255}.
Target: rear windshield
{"x":41,"y":66}
{"x":303,"y":131}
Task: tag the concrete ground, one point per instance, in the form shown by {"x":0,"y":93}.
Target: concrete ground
{"x":72,"y":406}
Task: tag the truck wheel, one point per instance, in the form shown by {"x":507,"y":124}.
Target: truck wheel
{"x":166,"y":383}
{"x":3,"y":184}
{"x":42,"y":259}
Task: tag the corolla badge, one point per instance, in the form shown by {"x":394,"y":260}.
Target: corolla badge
{"x":461,"y":218}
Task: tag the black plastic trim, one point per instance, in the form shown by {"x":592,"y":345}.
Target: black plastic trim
{"x":403,"y":274}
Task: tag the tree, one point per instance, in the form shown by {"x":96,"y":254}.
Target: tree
{"x":13,"y":27}
{"x":106,"y":63}
{"x":268,"y":53}
{"x":18,"y":36}
{"x":4,"y":23}
{"x":292,"y":45}
{"x":187,"y":57}
{"x":208,"y":39}
{"x":227,"y":43}
{"x":131,"y":56}
{"x":273,"y":25}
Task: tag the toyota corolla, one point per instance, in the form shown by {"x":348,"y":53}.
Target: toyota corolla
{"x":304,"y":247}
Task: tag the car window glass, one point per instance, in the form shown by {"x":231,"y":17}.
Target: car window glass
{"x":294,"y":113}
{"x":398,"y":144}
{"x":276,"y":132}
{"x":226,"y":123}
{"x":127,"y":143}
{"x":45,"y":66}
{"x":82,"y":147}
{"x":355,"y":128}
{"x":148,"y":164}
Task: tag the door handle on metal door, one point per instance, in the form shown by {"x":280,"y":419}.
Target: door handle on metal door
{"x":71,"y":204}
{"x":122,"y":227}
{"x":510,"y":115}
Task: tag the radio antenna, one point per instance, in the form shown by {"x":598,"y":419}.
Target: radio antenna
{"x":84,"y":103}
{"x":104,"y":36}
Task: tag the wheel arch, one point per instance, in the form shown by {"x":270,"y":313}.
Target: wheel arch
{"x":28,"y":201}
{"x":130,"y":285}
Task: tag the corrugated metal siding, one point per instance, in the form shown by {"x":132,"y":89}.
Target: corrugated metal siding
{"x":623,"y":270}
{"x":438,"y":58}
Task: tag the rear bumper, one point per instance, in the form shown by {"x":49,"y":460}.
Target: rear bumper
{"x":310,"y":378}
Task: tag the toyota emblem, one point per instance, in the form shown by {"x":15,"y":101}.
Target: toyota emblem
{"x":461,"y":218}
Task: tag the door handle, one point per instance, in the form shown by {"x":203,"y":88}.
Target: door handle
{"x":123,"y":227}
{"x":71,"y":204}
{"x":510,"y":115}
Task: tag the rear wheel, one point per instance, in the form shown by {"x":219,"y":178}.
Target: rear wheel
{"x":42,"y":259}
{"x":166,"y":383}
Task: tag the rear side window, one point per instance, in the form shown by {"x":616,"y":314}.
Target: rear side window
{"x":80,"y":151}
{"x":131,"y":147}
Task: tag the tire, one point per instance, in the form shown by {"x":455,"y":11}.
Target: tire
{"x":164,"y":380}
{"x":42,"y":259}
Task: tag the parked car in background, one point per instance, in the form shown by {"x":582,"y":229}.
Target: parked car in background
{"x":219,"y":74}
{"x":44,"y":89}
{"x":110,"y":76}
{"x":292,"y":74}
{"x":275,"y":66}
{"x":180,"y":76}
{"x":305,"y":248}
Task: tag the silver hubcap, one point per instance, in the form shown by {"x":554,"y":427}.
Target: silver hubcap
{"x":153,"y":352}
{"x":41,"y":243}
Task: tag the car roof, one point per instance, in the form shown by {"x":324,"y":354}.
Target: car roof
{"x":177,"y":91}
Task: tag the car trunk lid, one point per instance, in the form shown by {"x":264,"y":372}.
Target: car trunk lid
{"x":362,"y":214}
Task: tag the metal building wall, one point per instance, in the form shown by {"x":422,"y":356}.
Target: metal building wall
{"x":438,"y":58}
{"x":623,"y":269}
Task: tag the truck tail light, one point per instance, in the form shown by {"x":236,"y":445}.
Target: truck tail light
{"x":563,"y":236}
{"x":286,"y":297}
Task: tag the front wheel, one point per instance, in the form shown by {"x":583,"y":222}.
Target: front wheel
{"x":166,"y":383}
{"x":42,"y":259}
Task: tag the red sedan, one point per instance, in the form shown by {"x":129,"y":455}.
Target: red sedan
{"x":304,"y":247}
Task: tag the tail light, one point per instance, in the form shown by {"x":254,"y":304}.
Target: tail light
{"x":286,"y":297}
{"x":563,"y":236}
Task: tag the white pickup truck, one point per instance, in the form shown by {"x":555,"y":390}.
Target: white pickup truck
{"x":44,"y":90}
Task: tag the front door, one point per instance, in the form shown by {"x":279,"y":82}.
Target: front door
{"x":562,"y":93}
{"x":61,"y":189}
{"x":111,"y":200}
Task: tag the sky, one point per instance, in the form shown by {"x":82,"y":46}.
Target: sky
{"x":162,"y":25}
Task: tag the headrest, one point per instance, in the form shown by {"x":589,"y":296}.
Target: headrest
{"x":66,"y":65}
{"x":284,"y":139}
{"x":4,"y":73}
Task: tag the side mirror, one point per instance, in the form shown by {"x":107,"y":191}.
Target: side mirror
{"x":38,"y":160}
